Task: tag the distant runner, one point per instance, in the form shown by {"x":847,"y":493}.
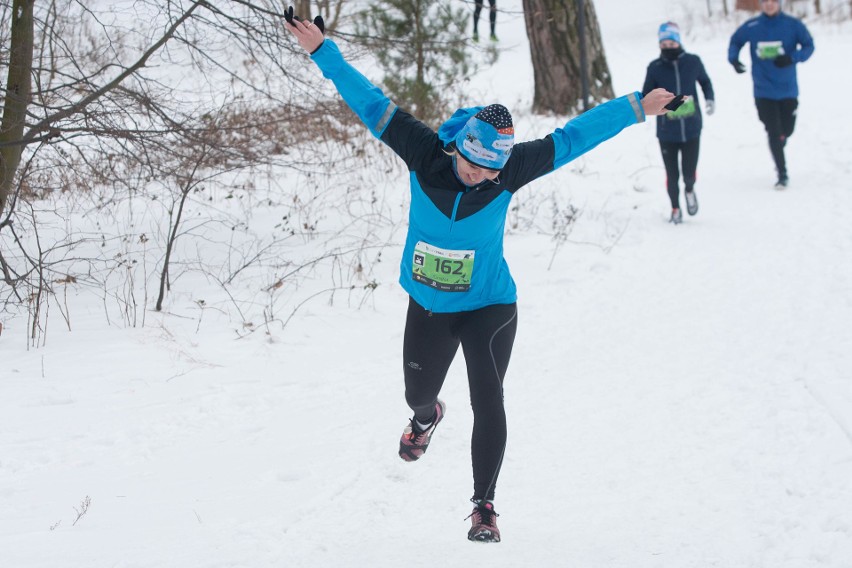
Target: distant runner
{"x":679,"y":131}
{"x":777,"y":43}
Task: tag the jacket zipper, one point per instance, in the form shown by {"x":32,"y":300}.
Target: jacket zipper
{"x":452,"y":223}
{"x":678,"y":87}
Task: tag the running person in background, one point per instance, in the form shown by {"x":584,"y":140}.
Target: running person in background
{"x":679,"y":131}
{"x":492,"y":17}
{"x":777,"y":43}
{"x":462,"y":180}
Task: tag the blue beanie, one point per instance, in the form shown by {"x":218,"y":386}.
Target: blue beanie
{"x":669,"y":30}
{"x":484,"y":136}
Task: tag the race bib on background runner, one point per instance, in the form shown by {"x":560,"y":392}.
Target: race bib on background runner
{"x":685,"y":110}
{"x":769,"y":49}
{"x":442,"y":269}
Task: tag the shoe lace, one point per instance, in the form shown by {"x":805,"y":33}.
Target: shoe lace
{"x":415,"y":435}
{"x":482,"y":514}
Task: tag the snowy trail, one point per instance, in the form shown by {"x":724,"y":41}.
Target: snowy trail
{"x":695,"y":426}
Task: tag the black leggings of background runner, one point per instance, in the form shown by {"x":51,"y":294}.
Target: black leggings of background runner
{"x":486,"y":336}
{"x":689,"y":156}
{"x":492,"y":15}
{"x":779,"y":118}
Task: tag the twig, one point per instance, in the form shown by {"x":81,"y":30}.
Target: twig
{"x":84,"y":508}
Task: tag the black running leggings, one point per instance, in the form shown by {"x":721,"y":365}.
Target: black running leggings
{"x":486,"y":336}
{"x":689,"y":156}
{"x":779,"y":119}
{"x":492,"y":15}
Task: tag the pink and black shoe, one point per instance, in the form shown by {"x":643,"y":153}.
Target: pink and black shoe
{"x":484,"y":522}
{"x":414,"y":441}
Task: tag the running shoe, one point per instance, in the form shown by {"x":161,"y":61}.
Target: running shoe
{"x":414,"y":441}
{"x":483,"y":522}
{"x":691,"y":202}
{"x":677,"y":217}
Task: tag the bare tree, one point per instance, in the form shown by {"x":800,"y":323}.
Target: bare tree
{"x":192,"y":162}
{"x":555,"y":45}
{"x":724,"y":7}
{"x":97,"y":97}
{"x":17,"y":95}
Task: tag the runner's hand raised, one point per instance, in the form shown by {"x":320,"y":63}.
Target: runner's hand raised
{"x":309,"y":35}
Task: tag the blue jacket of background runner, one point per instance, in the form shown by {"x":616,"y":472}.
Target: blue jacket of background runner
{"x":771,"y":82}
{"x":444,"y":212}
{"x":680,"y":77}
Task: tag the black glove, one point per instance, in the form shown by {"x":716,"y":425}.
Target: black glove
{"x":318,"y":21}
{"x":676,"y":102}
{"x":738,"y":67}
{"x":783,"y":61}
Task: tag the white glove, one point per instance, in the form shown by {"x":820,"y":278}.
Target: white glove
{"x":711,"y":107}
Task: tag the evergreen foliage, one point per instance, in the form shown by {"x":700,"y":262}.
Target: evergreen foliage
{"x":422,"y":47}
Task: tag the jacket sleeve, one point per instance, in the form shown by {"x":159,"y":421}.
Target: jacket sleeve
{"x":531,"y":160}
{"x":704,"y":81}
{"x":367,"y":101}
{"x":738,"y":40}
{"x":806,"y":41}
{"x":601,"y":123}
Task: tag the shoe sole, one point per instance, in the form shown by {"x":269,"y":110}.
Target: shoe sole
{"x":484,"y":537}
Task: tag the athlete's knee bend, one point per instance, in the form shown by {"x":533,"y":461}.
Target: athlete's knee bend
{"x":419,"y":399}
{"x":487,"y":402}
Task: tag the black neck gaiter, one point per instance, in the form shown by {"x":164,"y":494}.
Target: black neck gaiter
{"x":671,"y":53}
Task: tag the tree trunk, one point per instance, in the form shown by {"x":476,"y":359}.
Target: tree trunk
{"x":553,"y":31}
{"x":303,"y":9}
{"x":18,"y":92}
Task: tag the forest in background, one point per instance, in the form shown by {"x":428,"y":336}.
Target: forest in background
{"x":165,"y":145}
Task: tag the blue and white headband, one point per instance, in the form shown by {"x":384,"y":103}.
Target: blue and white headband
{"x":485,"y":138}
{"x":669,"y":30}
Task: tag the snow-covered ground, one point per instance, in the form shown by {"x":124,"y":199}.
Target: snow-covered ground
{"x":679,"y":396}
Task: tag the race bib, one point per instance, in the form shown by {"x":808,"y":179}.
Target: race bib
{"x":769,"y":49}
{"x":685,"y":110}
{"x":445,"y":270}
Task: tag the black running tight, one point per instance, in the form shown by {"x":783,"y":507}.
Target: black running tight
{"x":486,"y":336}
{"x":689,"y":157}
{"x":779,"y":119}
{"x":492,"y":15}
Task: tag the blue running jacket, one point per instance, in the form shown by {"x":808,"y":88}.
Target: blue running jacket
{"x":779,"y":31}
{"x":453,"y":256}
